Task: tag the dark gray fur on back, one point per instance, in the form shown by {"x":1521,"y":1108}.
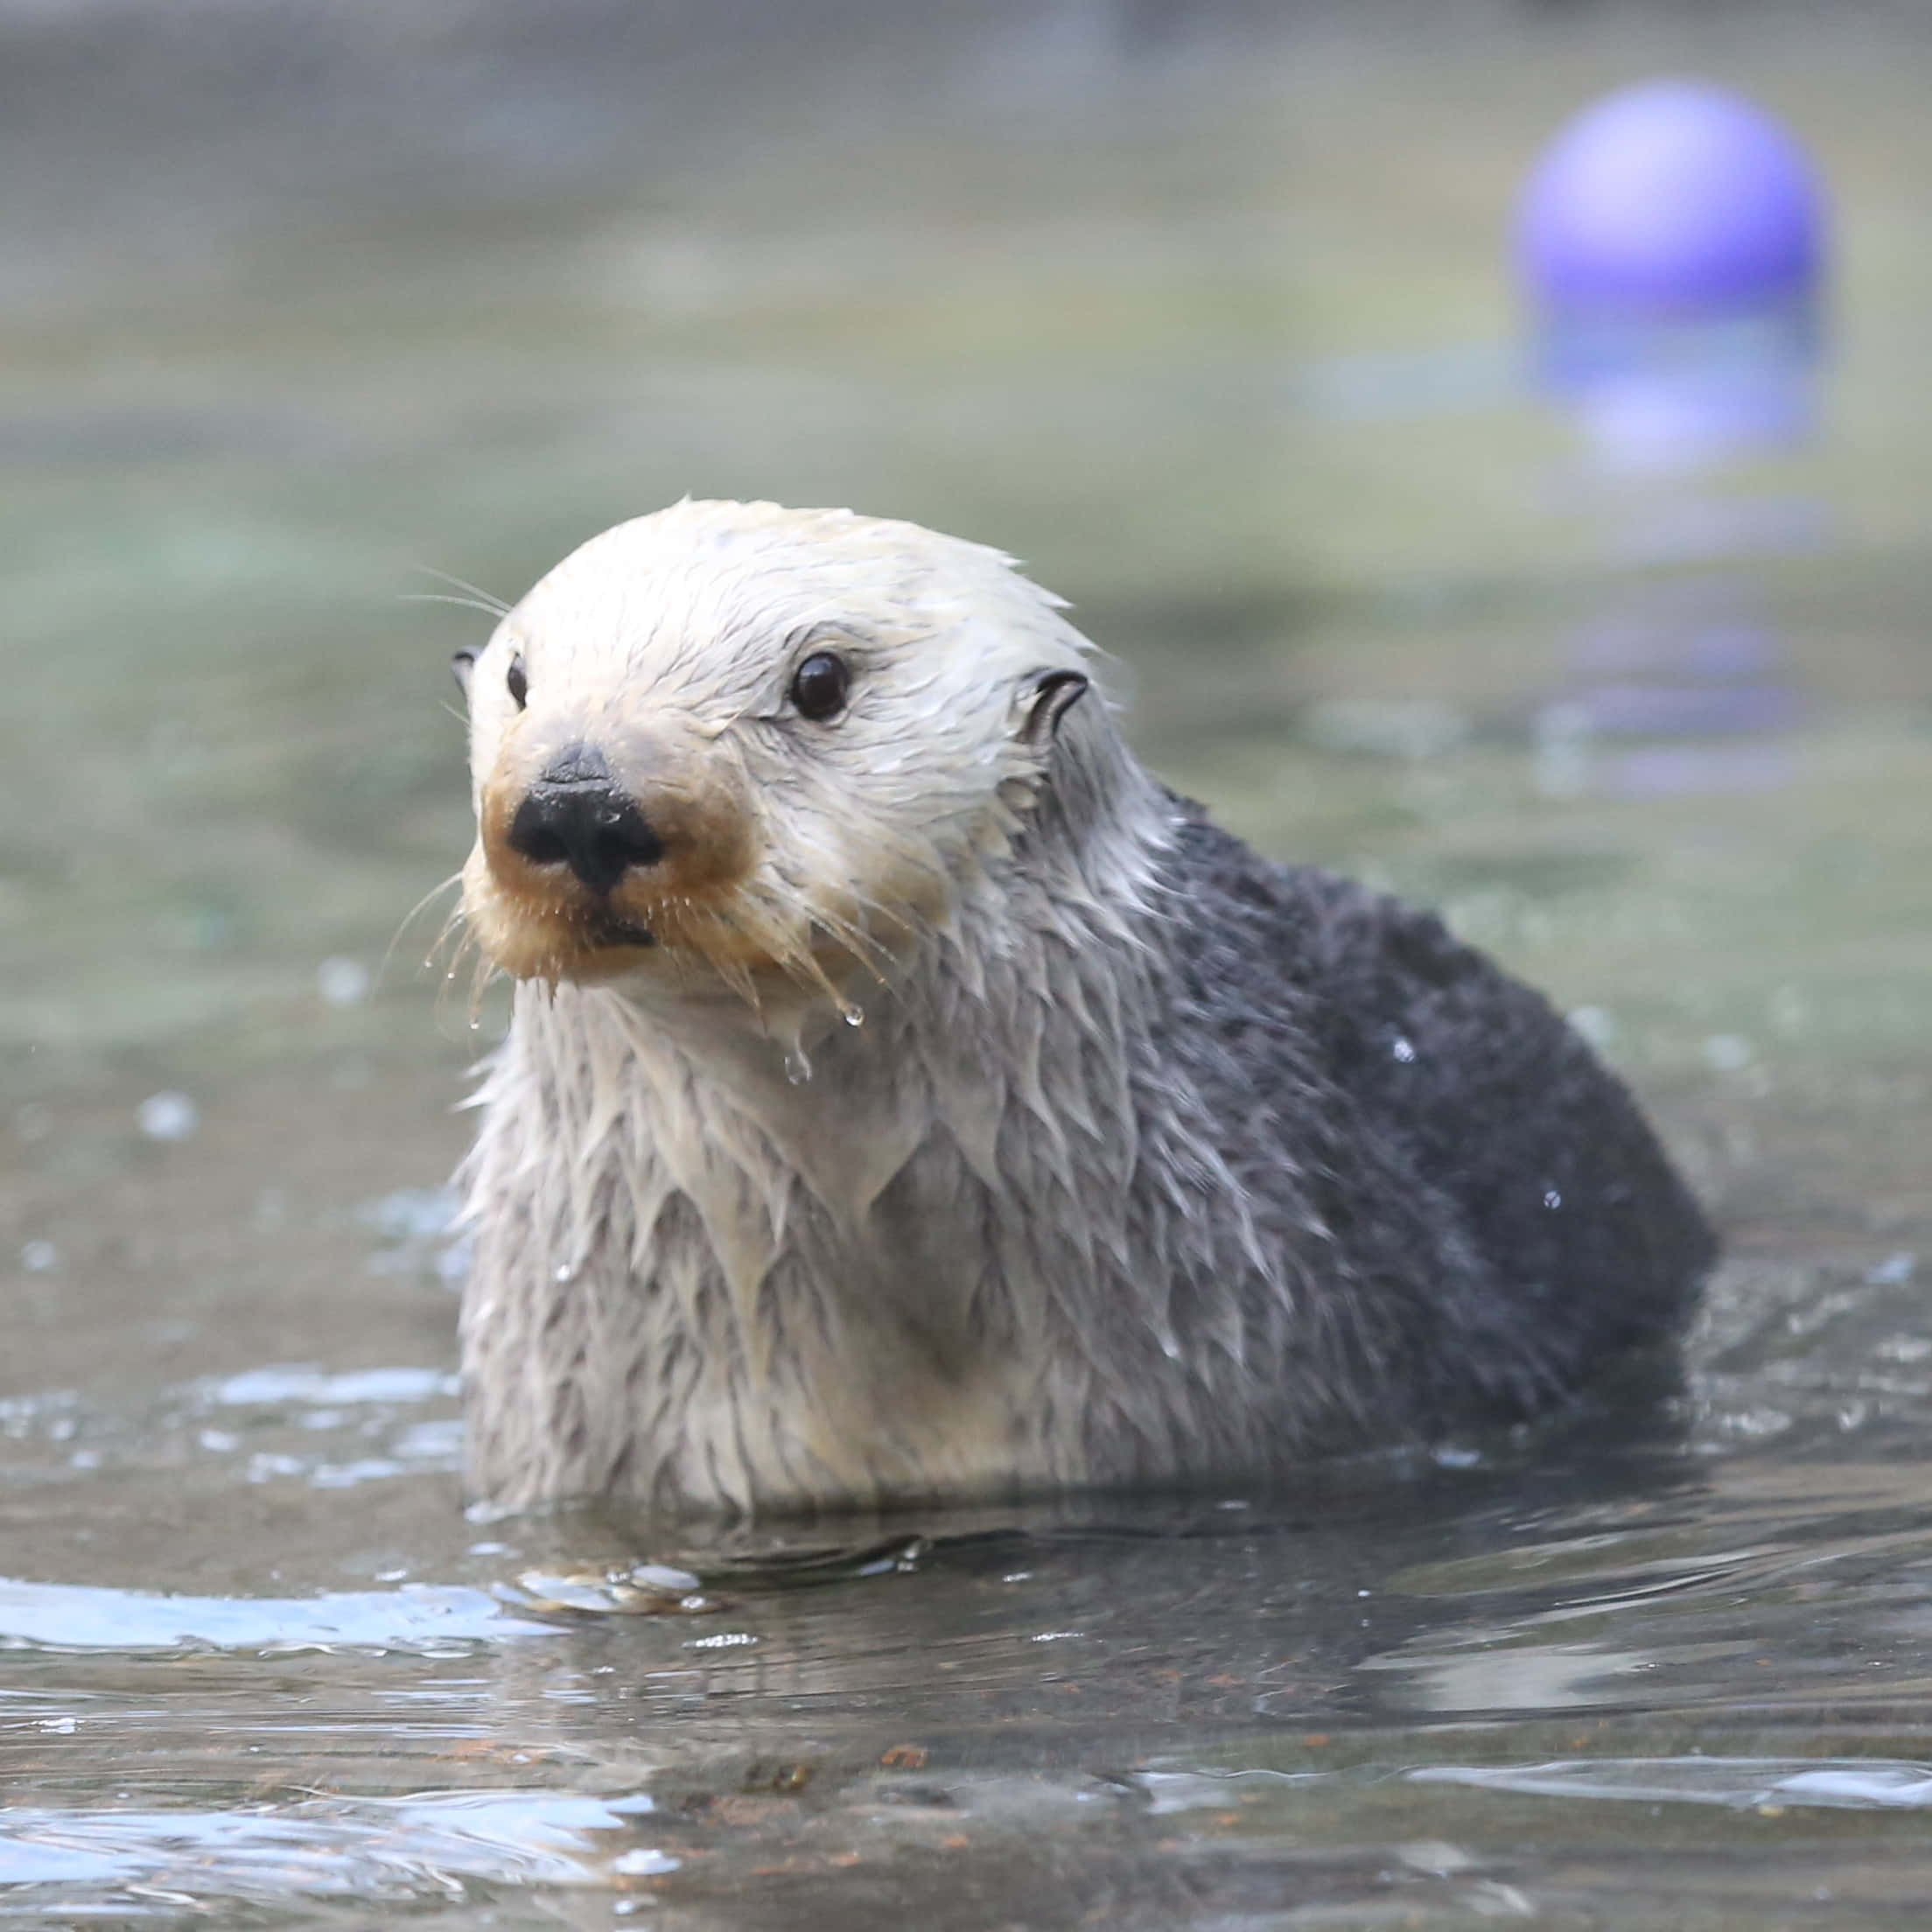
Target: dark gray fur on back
{"x":1500,"y":1218}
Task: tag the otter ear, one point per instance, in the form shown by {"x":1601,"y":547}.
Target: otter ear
{"x":463,"y":663}
{"x":1053,"y":694}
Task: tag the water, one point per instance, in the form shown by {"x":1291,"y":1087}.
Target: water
{"x":1205,"y":324}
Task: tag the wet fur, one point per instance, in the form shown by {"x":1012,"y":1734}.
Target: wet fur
{"x":1153,"y":1162}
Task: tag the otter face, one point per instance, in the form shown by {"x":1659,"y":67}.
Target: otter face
{"x":733,"y":745}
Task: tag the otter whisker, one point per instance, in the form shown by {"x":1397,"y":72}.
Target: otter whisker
{"x":737,"y":977}
{"x":442,"y":597}
{"x":877,"y":952}
{"x":487,"y":973}
{"x":494,"y":606}
{"x":804,"y":969}
{"x":457,"y":946}
{"x":870,"y":954}
{"x":465,"y":952}
{"x":876,"y":955}
{"x":447,"y":981}
{"x":410,"y":918}
{"x":712,"y":934}
{"x":454,"y":933}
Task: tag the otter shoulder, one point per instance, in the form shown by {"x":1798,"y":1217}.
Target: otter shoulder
{"x":1420,"y":1049}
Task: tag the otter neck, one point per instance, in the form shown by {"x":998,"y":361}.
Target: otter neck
{"x":1026,"y":1002}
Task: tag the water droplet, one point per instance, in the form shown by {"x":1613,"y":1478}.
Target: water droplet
{"x":852,"y":1013}
{"x":1403,"y":1050}
{"x":645,"y":1862}
{"x":39,"y":1257}
{"x":1596,"y":1025}
{"x":1727,"y":1053}
{"x":343,"y":982}
{"x":798,"y":1069}
{"x":1551,"y":1198}
{"x":167,"y":1116}
{"x":565,"y":1271}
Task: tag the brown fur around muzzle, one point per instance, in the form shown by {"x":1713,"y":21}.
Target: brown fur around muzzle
{"x":597,"y":848}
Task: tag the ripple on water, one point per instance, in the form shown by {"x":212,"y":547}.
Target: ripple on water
{"x":1743,"y":1783}
{"x":287,"y":1386}
{"x":431,"y":1843}
{"x":426,"y":1619}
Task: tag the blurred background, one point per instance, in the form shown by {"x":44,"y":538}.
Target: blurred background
{"x":1222,"y":315}
{"x":1206,"y":310}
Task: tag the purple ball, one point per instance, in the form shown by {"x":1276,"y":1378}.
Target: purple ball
{"x":1671,"y":200}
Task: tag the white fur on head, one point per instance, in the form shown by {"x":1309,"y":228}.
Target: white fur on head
{"x":671,"y":641}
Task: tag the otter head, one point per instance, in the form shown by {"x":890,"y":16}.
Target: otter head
{"x":734,"y":747}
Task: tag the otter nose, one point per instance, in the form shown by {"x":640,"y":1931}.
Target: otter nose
{"x":575,"y":815}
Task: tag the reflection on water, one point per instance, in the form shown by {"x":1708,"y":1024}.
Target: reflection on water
{"x":1212,"y":331}
{"x":51,"y":1616}
{"x":373,"y":1850}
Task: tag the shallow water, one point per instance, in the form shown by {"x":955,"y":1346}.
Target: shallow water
{"x":1207,"y":324}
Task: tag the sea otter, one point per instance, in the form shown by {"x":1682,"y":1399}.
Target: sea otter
{"x":908,"y":1098}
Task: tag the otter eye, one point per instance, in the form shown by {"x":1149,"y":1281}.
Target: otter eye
{"x":518,"y":683}
{"x":819,"y":686}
